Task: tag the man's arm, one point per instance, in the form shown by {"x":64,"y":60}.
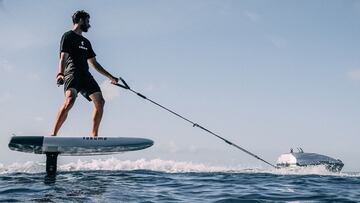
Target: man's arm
{"x":63,"y":57}
{"x":61,"y":68}
{"x":101,"y":70}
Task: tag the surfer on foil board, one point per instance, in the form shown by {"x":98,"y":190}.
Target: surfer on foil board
{"x":73,"y":72}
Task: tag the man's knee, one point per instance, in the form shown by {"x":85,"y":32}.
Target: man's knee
{"x":98,"y":100}
{"x":69,"y":101}
{"x":70,"y":97}
{"x":100,"y":103}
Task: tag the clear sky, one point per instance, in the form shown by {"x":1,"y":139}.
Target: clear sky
{"x":267,"y":75}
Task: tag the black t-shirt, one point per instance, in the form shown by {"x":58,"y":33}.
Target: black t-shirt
{"x":79,"y":50}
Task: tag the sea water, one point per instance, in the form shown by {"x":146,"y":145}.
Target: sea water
{"x":115,"y":180}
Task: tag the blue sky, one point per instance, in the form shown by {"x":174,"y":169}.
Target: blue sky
{"x":268,"y":75}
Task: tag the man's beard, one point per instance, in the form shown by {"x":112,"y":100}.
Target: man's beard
{"x":84,"y":28}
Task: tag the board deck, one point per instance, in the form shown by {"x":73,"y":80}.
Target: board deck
{"x":77,"y":146}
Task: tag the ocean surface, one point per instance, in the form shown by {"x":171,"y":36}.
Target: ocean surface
{"x":115,"y":180}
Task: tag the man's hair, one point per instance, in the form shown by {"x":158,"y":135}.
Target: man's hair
{"x":79,"y":15}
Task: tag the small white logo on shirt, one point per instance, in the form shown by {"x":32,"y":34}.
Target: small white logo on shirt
{"x":82,"y":46}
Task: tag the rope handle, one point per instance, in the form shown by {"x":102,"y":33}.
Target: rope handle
{"x":124,"y":85}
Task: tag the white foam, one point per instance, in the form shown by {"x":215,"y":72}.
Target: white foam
{"x":308,"y":170}
{"x":168,"y":166}
{"x":27,"y":167}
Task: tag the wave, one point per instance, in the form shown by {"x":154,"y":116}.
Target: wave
{"x":167,"y":166}
{"x":27,"y":167}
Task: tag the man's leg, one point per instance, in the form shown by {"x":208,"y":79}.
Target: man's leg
{"x":70,"y":97}
{"x":99,"y":103}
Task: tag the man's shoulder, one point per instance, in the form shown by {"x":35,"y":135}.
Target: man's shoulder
{"x":68,"y":34}
{"x":85,"y":39}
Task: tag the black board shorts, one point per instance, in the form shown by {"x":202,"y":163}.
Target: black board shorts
{"x":86,"y":85}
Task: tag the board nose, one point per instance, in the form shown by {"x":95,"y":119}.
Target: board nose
{"x":147,"y":142}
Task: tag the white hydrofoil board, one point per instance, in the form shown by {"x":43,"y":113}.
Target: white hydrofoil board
{"x":77,"y":146}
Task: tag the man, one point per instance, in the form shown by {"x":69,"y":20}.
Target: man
{"x":73,"y":72}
